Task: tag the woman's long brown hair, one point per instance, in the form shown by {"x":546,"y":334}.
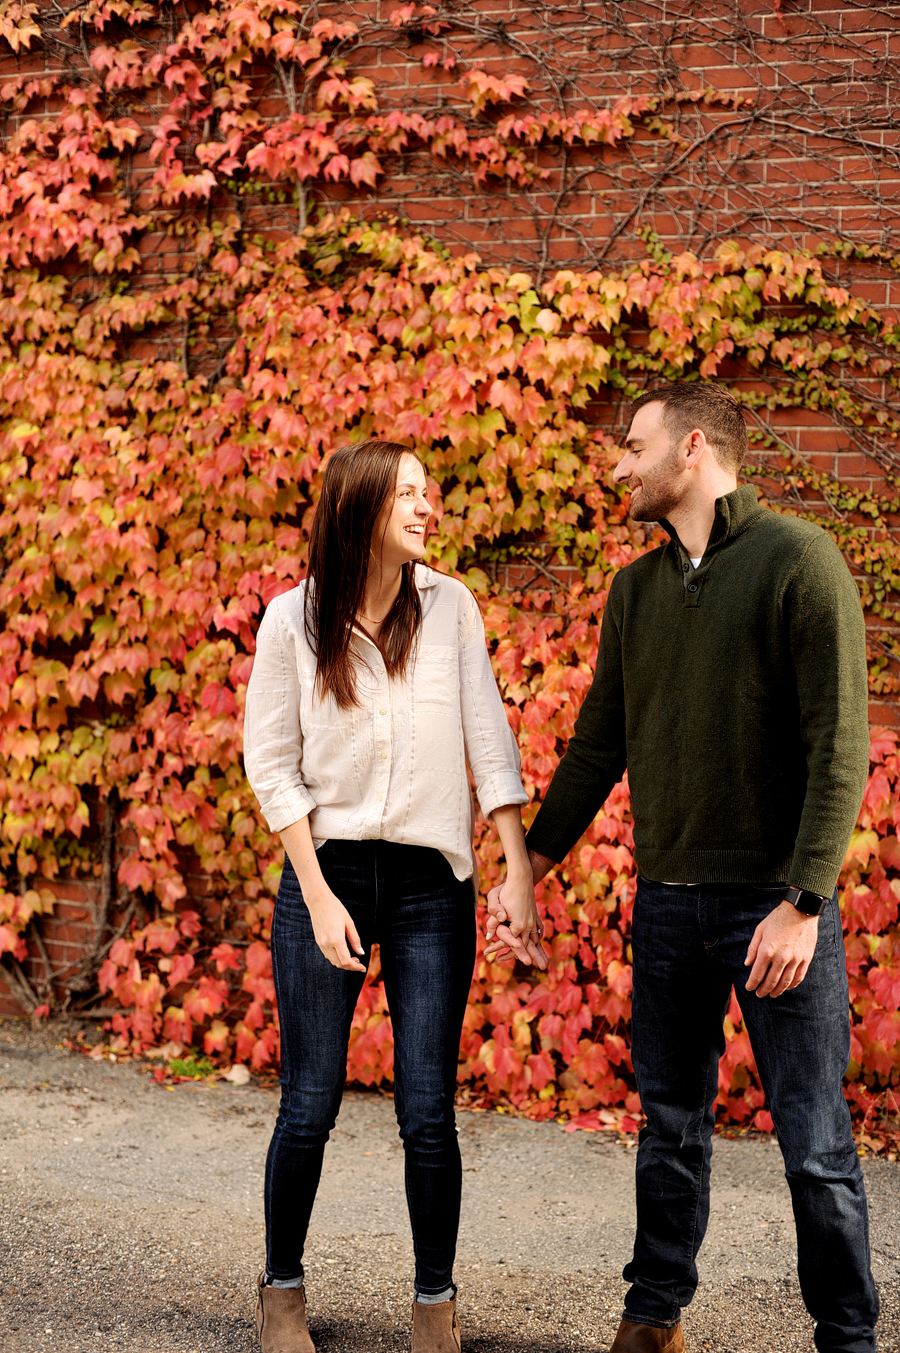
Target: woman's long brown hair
{"x":359,"y":482}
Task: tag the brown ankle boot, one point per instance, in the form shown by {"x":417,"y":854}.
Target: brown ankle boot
{"x":281,"y":1319}
{"x":633,"y":1338}
{"x":435,"y":1329}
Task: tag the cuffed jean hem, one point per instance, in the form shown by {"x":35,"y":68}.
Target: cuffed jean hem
{"x":284,"y":1282}
{"x":636,"y":1319}
{"x":435,"y":1298}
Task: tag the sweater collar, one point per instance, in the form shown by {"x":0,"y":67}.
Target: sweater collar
{"x":734,"y":513}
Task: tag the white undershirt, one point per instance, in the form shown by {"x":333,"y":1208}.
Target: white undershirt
{"x":696,"y":562}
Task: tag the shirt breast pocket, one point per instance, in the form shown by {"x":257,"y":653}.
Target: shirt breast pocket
{"x":435,"y":677}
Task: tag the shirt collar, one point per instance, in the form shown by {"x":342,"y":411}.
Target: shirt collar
{"x":426,"y":577}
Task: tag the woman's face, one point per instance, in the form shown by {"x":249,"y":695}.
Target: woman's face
{"x":404,"y":519}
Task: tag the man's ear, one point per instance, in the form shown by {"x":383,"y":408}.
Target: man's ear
{"x":696,"y":446}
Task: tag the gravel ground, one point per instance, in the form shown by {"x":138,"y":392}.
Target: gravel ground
{"x":130,"y":1219}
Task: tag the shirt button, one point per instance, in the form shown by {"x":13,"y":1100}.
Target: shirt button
{"x":685,"y":568}
{"x":384,"y":756}
{"x":381,"y":671}
{"x":692,"y":587}
{"x":382,"y":711}
{"x":378,"y":797}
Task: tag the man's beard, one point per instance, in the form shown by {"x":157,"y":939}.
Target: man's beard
{"x":659,"y":492}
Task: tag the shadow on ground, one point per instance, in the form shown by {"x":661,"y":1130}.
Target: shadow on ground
{"x":130,"y":1219}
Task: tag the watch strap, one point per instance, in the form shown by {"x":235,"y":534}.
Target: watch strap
{"x":810,"y":904}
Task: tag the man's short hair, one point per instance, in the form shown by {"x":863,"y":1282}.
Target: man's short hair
{"x":711,"y":408}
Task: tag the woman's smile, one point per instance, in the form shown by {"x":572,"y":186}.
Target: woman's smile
{"x":406,"y":522}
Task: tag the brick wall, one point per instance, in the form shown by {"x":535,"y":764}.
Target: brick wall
{"x":65,"y":936}
{"x":812,"y":151}
{"x":809,"y":149}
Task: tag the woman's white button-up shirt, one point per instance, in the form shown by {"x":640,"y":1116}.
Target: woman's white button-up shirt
{"x":394,"y":766}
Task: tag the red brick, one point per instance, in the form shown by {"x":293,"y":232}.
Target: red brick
{"x":10,"y":1008}
{"x":73,"y":890}
{"x":852,"y":465}
{"x":72,"y":912}
{"x":58,"y":933}
{"x":862,"y":20}
{"x":806,"y":418}
{"x":883,"y":715}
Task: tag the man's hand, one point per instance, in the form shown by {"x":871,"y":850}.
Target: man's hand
{"x":781,"y":950}
{"x":516,"y":927}
{"x":497,"y":914}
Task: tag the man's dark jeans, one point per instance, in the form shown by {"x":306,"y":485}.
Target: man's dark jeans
{"x":406,"y":899}
{"x":689,"y":948}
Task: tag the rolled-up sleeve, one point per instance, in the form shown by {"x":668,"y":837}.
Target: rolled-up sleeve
{"x":273,"y":744}
{"x":491,"y":749}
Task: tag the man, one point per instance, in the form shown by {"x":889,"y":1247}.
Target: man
{"x":731,"y":681}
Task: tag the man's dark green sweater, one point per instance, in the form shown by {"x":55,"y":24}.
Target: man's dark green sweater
{"x":735,"y":695}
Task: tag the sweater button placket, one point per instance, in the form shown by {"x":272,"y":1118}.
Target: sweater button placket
{"x":691,"y":593}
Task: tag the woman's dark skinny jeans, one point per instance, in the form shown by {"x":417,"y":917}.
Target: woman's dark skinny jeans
{"x":406,"y":899}
{"x":689,"y":948}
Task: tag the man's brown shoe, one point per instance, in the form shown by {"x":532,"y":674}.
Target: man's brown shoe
{"x":435,"y":1329}
{"x":281,"y":1319}
{"x":633,"y":1338}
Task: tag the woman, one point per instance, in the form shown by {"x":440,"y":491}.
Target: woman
{"x":370,"y":689}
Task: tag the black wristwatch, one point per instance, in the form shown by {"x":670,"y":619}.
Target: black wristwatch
{"x":811,"y":904}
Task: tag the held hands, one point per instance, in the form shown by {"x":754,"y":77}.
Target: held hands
{"x":781,"y":950}
{"x":335,"y":932}
{"x":513,"y":925}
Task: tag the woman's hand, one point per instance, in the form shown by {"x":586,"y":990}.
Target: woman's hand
{"x":514,"y":926}
{"x":335,"y":932}
{"x":332,"y":923}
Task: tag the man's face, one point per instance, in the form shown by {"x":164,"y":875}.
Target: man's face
{"x":651,"y":467}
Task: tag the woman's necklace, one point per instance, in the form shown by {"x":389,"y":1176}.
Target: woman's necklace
{"x":371,"y":619}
